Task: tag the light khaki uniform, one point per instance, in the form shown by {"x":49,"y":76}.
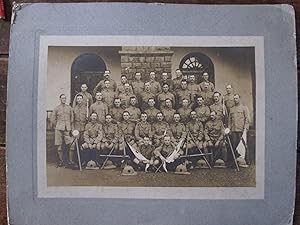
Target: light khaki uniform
{"x":159,"y":128}
{"x":178,"y":131}
{"x":93,"y":135}
{"x":62,"y":119}
{"x":116,"y":113}
{"x":184,"y":114}
{"x":152,"y":112}
{"x":108,"y":96}
{"x":86,"y":97}
{"x":155,"y":87}
{"x":101,"y":85}
{"x":168,"y":114}
{"x":161,"y":98}
{"x":203,"y":113}
{"x":135,"y":113}
{"x":211,"y":86}
{"x":101,"y":109}
{"x":143,"y":130}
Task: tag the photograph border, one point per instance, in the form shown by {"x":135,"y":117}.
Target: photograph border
{"x":152,"y":192}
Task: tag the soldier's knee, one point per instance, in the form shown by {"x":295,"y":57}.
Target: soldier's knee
{"x":98,"y":146}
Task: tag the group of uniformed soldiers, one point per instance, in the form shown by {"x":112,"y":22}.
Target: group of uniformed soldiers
{"x":152,"y":117}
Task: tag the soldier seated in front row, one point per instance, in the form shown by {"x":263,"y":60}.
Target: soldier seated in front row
{"x":109,"y":144}
{"x":195,"y":137}
{"x":160,"y":129}
{"x":146,"y":149}
{"x":126,"y":131}
{"x":92,"y":139}
{"x":214,"y":139}
{"x":178,"y":129}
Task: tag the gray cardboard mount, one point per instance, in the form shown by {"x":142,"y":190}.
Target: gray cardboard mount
{"x":275,"y":23}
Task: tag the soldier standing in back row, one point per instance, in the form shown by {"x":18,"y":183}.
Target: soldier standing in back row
{"x":229,"y":98}
{"x":177,"y":80}
{"x":62,"y":120}
{"x":211,"y":86}
{"x":87,"y":98}
{"x":146,"y":95}
{"x":108,"y":95}
{"x":99,"y":87}
{"x":154,"y":85}
{"x":138,"y":86}
{"x":99,"y":107}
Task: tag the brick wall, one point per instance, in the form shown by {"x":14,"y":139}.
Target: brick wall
{"x":144,"y":60}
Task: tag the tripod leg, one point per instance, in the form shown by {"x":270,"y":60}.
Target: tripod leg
{"x":233,"y":155}
{"x":78,"y":154}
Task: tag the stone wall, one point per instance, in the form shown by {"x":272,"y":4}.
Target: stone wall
{"x":144,"y":60}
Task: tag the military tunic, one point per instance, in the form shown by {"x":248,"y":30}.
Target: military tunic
{"x":203,"y":113}
{"x":214,"y":131}
{"x":238,"y":118}
{"x":101,"y":85}
{"x":211,"y":86}
{"x":110,"y":132}
{"x":177,"y":83}
{"x":155,"y":87}
{"x":125,"y":99}
{"x":145,"y":95}
{"x":62,"y":118}
{"x":183,"y":94}
{"x":164,"y":150}
{"x":194,"y":90}
{"x":169,"y":82}
{"x":207,"y":96}
{"x":86,"y":97}
{"x":143,"y":129}
{"x":161,"y":98}
{"x":108,"y":96}
{"x":147,"y":151}
{"x":80,"y":117}
{"x":127,"y":130}
{"x":93,"y":133}
{"x":178,"y":131}
{"x":152,"y":112}
{"x":116,"y":113}
{"x":185,"y":114}
{"x":138,"y":87}
{"x":229,"y":101}
{"x":168,"y":114}
{"x":101,"y":109}
{"x":196,"y":129}
{"x":159,"y":128}
{"x":218,"y":108}
{"x":121,"y":88}
{"x":135,"y":113}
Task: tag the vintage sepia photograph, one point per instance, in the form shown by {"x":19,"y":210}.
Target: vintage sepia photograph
{"x":140,"y":115}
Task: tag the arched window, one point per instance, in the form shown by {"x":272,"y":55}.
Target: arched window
{"x":87,"y":68}
{"x":197,"y":63}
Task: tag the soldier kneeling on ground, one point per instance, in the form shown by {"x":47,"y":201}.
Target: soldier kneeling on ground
{"x":146,"y":149}
{"x":163,"y":152}
{"x":214,"y":140}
